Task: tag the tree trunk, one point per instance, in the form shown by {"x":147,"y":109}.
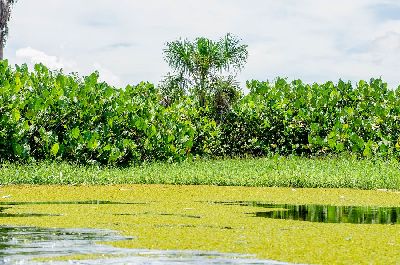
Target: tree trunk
{"x":2,"y":44}
{"x":202,"y":92}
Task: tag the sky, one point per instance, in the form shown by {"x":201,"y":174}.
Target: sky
{"x":311,"y":40}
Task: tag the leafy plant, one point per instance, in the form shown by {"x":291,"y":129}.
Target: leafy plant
{"x":198,"y":65}
{"x":47,"y":115}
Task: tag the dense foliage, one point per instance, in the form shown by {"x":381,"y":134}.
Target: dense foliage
{"x":317,"y":119}
{"x":47,"y":115}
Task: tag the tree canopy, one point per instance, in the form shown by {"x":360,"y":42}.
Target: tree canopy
{"x":200,"y":64}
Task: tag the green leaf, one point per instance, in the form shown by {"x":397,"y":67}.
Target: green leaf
{"x":75,"y":133}
{"x":170,"y":138}
{"x":26,"y":126}
{"x":93,"y":142}
{"x":18,"y":149}
{"x":18,"y":84}
{"x":16,"y":115}
{"x":140,"y":124}
{"x":340,"y":147}
{"x":126,"y":143}
{"x":54,"y":149}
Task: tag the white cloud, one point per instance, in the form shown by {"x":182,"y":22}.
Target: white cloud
{"x":35,"y":56}
{"x":32,"y":56}
{"x":387,"y":43}
{"x":107,"y":75}
{"x":314,"y":40}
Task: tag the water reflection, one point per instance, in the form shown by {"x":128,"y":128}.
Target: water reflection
{"x":22,"y":245}
{"x":326,"y":213}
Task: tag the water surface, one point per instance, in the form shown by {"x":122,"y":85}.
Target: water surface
{"x":324,"y":213}
{"x":22,"y":245}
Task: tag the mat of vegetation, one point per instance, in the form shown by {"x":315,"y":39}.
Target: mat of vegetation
{"x":188,"y":218}
{"x":340,"y":172}
{"x":47,"y":115}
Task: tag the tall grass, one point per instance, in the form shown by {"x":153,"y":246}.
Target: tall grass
{"x":331,"y":172}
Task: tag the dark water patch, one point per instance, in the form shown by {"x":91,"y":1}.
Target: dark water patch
{"x":180,"y":215}
{"x":70,"y":202}
{"x":25,"y":245}
{"x":325,"y":213}
{"x":160,"y":214}
{"x":4,"y":208}
{"x":91,"y":202}
{"x":4,"y":215}
{"x":194,"y":226}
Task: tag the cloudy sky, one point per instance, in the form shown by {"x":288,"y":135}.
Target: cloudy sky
{"x":314,"y":40}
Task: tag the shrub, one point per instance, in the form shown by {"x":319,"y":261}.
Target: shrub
{"x":47,"y":115}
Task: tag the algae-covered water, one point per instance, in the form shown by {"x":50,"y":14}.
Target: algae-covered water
{"x":263,"y":224}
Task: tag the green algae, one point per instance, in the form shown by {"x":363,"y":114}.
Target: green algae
{"x":185,"y":218}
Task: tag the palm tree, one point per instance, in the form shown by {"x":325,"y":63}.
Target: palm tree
{"x":5,"y":14}
{"x":201,"y":63}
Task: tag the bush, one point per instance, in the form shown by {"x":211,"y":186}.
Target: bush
{"x":47,"y":115}
{"x":297,"y":118}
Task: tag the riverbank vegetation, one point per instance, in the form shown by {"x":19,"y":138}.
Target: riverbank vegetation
{"x":276,"y":171}
{"x":58,"y":128}
{"x":47,"y":115}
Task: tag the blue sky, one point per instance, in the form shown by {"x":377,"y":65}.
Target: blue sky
{"x":314,"y":40}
